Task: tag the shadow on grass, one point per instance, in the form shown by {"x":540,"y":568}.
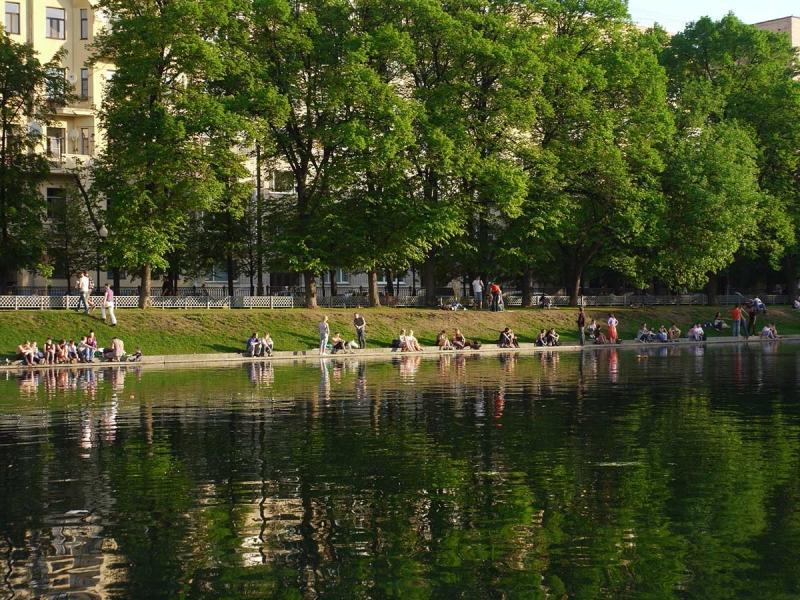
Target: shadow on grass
{"x":224,"y":348}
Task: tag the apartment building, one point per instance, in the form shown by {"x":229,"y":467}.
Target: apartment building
{"x":788,"y":25}
{"x":72,"y":137}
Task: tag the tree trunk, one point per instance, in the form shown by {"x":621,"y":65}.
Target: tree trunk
{"x":527,"y":287}
{"x":259,"y":241}
{"x":231,"y":269}
{"x":389,"y":282}
{"x":311,"y":288}
{"x":575,"y":285}
{"x":115,"y":275}
{"x":144,"y":293}
{"x":711,"y":288}
{"x":429,"y":280}
{"x":334,"y":285}
{"x":790,"y":276}
{"x":372,"y":291}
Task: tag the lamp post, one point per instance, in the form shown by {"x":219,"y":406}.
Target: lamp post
{"x":102,"y":234}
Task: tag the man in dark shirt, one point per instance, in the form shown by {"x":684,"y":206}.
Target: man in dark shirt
{"x":581,"y":326}
{"x":360,"y":324}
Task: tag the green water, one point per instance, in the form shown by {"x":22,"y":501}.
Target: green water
{"x":612,"y":474}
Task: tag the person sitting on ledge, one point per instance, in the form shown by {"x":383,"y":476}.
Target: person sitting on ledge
{"x":662,"y":335}
{"x":61,"y":352}
{"x":796,"y":303}
{"x":267,"y":345}
{"x":72,"y":352}
{"x":541,"y":339}
{"x":253,"y":348}
{"x":674,"y":333}
{"x":337,"y":343}
{"x":49,"y":350}
{"x":402,"y":341}
{"x":769,"y":332}
{"x":442,"y":342}
{"x":412,"y":343}
{"x":552,"y":337}
{"x":644,"y":333}
{"x":505,"y":338}
{"x":696,"y":333}
{"x":591,"y":329}
{"x":600,"y":337}
{"x":116,"y":351}
{"x":459,"y":341}
{"x":25,"y":352}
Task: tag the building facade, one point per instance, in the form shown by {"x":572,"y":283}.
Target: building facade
{"x":788,"y":25}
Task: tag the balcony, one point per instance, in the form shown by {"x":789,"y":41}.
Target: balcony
{"x":61,"y":163}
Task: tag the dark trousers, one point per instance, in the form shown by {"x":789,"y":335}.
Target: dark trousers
{"x":581,"y":336}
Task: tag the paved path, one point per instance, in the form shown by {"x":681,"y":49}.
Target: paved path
{"x":203,"y":360}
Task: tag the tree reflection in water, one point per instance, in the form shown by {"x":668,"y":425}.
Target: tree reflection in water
{"x":610,"y":473}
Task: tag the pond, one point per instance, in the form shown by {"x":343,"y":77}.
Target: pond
{"x":613,"y":473}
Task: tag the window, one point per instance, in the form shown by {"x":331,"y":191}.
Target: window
{"x":84,"y":84}
{"x":84,"y":23}
{"x":56,"y":25}
{"x":12,"y":17}
{"x":86,"y":145}
{"x":342,"y":277}
{"x":55,"y":142}
{"x":56,"y":200}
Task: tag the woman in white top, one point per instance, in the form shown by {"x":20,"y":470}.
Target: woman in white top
{"x":412,"y":343}
{"x":612,"y":329}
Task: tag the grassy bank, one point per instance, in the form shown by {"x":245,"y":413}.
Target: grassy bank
{"x":207,"y":331}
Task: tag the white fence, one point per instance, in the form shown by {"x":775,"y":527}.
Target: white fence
{"x":177,"y":302}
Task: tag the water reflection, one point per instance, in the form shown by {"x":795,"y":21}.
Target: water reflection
{"x":658,"y":472}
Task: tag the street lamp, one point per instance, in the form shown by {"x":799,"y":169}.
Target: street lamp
{"x":102,"y":234}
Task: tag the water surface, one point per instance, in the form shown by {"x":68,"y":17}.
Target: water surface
{"x":613,"y":474}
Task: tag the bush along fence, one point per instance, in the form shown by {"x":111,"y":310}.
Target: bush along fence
{"x":48,"y":302}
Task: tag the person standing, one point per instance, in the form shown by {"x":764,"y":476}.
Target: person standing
{"x":360,"y":324}
{"x":324,"y":334}
{"x":581,"y":326}
{"x":612,"y":328}
{"x":494,"y":289}
{"x":83,"y":288}
{"x":108,"y":304}
{"x":752,"y":314}
{"x":736,"y":317}
{"x":477,"y":291}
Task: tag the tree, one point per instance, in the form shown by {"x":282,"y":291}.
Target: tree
{"x":729,"y":72}
{"x":159,"y":118}
{"x":30,"y":93}
{"x":601,"y":133}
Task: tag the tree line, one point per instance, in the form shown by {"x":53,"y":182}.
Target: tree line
{"x":537,"y":140}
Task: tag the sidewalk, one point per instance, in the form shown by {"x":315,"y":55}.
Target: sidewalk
{"x":218,"y":359}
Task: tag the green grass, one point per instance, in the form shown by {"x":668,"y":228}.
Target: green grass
{"x":200,"y":331}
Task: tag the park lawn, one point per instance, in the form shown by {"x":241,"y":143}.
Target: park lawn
{"x":201,"y":331}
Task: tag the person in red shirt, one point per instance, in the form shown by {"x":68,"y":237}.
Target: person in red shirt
{"x":739,"y":326}
{"x":494,"y":289}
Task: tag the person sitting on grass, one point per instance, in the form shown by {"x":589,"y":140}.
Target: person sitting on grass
{"x":267,"y":345}
{"x":674,"y":333}
{"x":115,"y":351}
{"x":253,"y":347}
{"x":662,"y":335}
{"x":541,"y":339}
{"x":459,"y":341}
{"x":442,"y":342}
{"x":552,"y":337}
{"x":412,"y":343}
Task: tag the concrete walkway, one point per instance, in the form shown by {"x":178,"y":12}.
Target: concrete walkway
{"x":219,"y":359}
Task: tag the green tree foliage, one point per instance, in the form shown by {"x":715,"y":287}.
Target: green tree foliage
{"x":727,"y":71}
{"x":160,"y":118}
{"x":30,"y":93}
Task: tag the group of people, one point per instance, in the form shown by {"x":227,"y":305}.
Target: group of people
{"x":85,"y":286}
{"x":495,"y":299}
{"x":459,"y":342}
{"x":258,"y":346}
{"x":64,"y":351}
{"x":337,"y":343}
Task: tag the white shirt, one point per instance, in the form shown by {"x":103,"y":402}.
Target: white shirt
{"x":477,"y":285}
{"x":83,"y":283}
